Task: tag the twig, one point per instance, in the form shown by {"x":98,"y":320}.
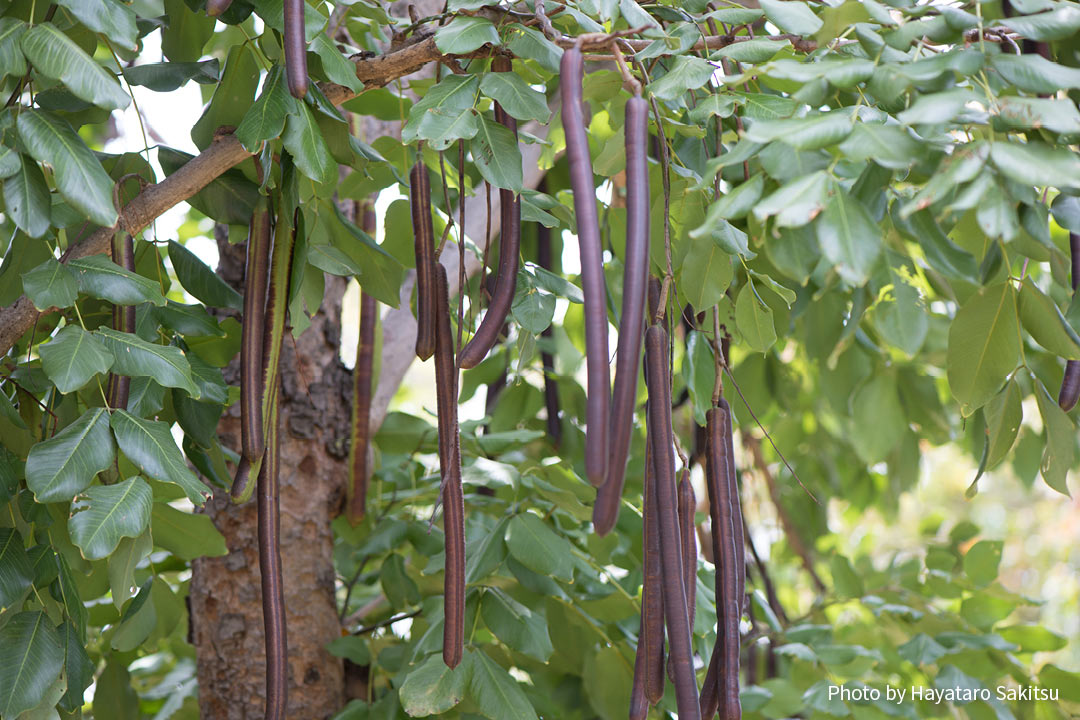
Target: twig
{"x":387,"y":622}
{"x":752,"y":444}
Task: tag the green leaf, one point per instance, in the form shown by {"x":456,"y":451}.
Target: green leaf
{"x":1043,"y":319}
{"x":138,"y":620}
{"x":122,"y":563}
{"x":12,"y":60}
{"x":54,"y":54}
{"x":190,"y":320}
{"x":1034,"y":163}
{"x":888,"y":145}
{"x":1057,"y":24}
{"x":849,"y":237}
{"x":135,"y":357}
{"x":32,"y":659}
{"x":878,"y":421}
{"x":699,"y":372}
{"x":901,"y":317}
{"x":199,"y":280}
{"x":432,"y":688}
{"x":464,"y":34}
{"x":981,"y":561}
{"x":1059,"y":454}
{"x":108,"y":17}
{"x":796,"y":203}
{"x":165,"y":77}
{"x":441,"y":129}
{"x":1034,"y":73}
{"x":305,"y":141}
{"x":532,"y":309}
{"x":380,"y":273}
{"x":805,"y":133}
{"x":50,"y":284}
{"x":16,"y":573}
{"x":1032,"y":638}
{"x":687,"y":73}
{"x":516,"y":625}
{"x":984,"y":346}
{"x":607,"y":678}
{"x":336,"y":66}
{"x":230,"y":198}
{"x":494,"y":690}
{"x":738,"y":202}
{"x":60,"y":467}
{"x":150,"y":445}
{"x":752,"y":51}
{"x":1060,"y":116}
{"x":754,"y":319}
{"x":792,"y":17}
{"x":72,"y":357}
{"x":265,"y":119}
{"x":936,"y":108}
{"x":453,"y":95}
{"x":399,"y":588}
{"x":78,"y":668}
{"x":847,"y":582}
{"x":525,"y":42}
{"x":26,"y":198}
{"x":496,"y":155}
{"x":515,"y":96}
{"x":536,"y":546}
{"x":108,"y":513}
{"x":185,"y":535}
{"x":706,"y":270}
{"x":233,"y":95}
{"x":922,"y":650}
{"x":100,"y":277}
{"x":1003,"y":413}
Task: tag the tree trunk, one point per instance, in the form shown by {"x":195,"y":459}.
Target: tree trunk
{"x":225,"y":595}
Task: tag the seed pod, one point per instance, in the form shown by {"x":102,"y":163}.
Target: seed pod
{"x":509,"y":250}
{"x":1070,"y":383}
{"x":725,"y":512}
{"x":594,"y":288}
{"x":639,"y":704}
{"x":424,"y":248}
{"x":275,"y":310}
{"x":661,"y":441}
{"x":450,"y":465}
{"x":123,"y":252}
{"x":361,"y":408}
{"x":295,"y":48}
{"x":688,"y":535}
{"x":651,"y":642}
{"x":216,"y":7}
{"x":632,"y":321}
{"x":551,"y":387}
{"x":273,"y":589}
{"x":710,"y":701}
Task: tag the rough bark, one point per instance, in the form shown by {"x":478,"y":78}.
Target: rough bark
{"x":226,"y":614}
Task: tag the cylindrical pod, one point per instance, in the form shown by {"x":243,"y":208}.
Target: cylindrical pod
{"x":450,"y":465}
{"x":1070,"y":383}
{"x":551,"y":387}
{"x":123,"y":252}
{"x":725,"y":512}
{"x":273,"y":589}
{"x":662,"y":442}
{"x":594,"y":289}
{"x":639,"y":704}
{"x":256,"y":280}
{"x":651,"y":642}
{"x":295,"y":48}
{"x":362,"y":374}
{"x":632,"y":321}
{"x":688,"y":535}
{"x":424,"y":248}
{"x":710,"y":700}
{"x":509,"y":251}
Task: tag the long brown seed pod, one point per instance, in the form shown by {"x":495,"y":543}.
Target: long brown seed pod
{"x":296,"y":72}
{"x":276,"y":308}
{"x":361,"y":400}
{"x":725,"y":511}
{"x":598,"y":386}
{"x":509,"y":251}
{"x":256,"y":279}
{"x":450,"y":463}
{"x":123,"y":252}
{"x":662,"y":442}
{"x":632,"y":321}
{"x":651,"y":642}
{"x":639,"y":704}
{"x":216,"y":7}
{"x":273,"y":589}
{"x":1070,"y":383}
{"x":710,"y":700}
{"x":551,"y":386}
{"x":424,"y":248}
{"x":688,"y":535}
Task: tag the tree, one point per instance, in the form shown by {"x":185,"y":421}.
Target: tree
{"x":873,"y":204}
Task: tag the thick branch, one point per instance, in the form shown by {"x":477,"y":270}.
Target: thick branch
{"x":794,"y":540}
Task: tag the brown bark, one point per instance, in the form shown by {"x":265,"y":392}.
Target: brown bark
{"x":226,"y":612}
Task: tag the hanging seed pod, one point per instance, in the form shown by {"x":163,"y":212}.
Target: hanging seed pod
{"x":551,"y":387}
{"x":296,"y":72}
{"x":123,"y":319}
{"x":424,"y":248}
{"x":362,"y":388}
{"x":273,"y":588}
